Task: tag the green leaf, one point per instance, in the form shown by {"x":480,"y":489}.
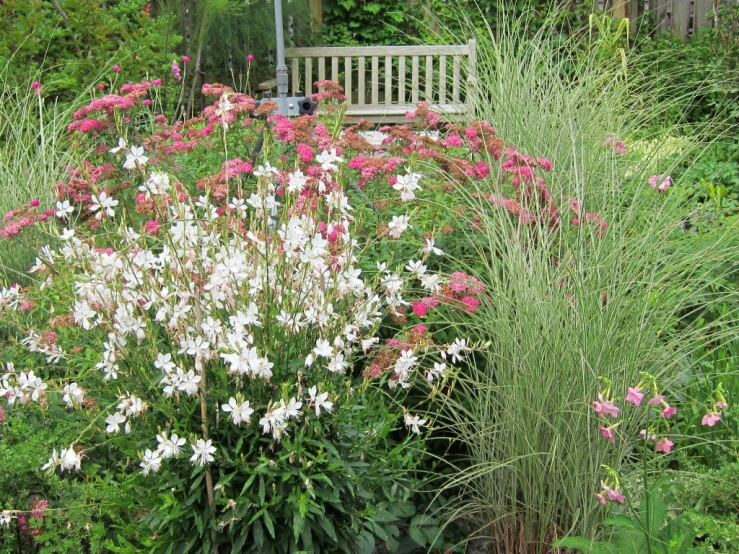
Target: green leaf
{"x":268,"y":522}
{"x":328,"y":527}
{"x":620,"y":520}
{"x":239,"y":542}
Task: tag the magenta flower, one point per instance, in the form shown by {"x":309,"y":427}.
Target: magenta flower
{"x":116,"y":68}
{"x":101,"y":86}
{"x":665,"y":445}
{"x":605,"y":407}
{"x":616,"y":496}
{"x":656,"y":400}
{"x":250,"y":58}
{"x":35,"y":85}
{"x":711,"y":419}
{"x":156,"y":83}
{"x":35,"y":203}
{"x":185,"y":59}
{"x":146,"y":102}
{"x":606,"y":432}
{"x":669,"y":411}
{"x":634,"y":396}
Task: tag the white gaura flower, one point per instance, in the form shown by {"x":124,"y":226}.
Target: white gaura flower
{"x":67,"y":234}
{"x":73,"y":394}
{"x":319,"y":401}
{"x":398,"y":225}
{"x":169,"y":447}
{"x":69,"y":460}
{"x":164,"y":362}
{"x":296,"y":182}
{"x":52,"y":463}
{"x":323,"y":349}
{"x":414,"y":422}
{"x":203,"y":452}
{"x":189,"y":383}
{"x":240,"y":411}
{"x":327,"y":159}
{"x":456,"y":349}
{"x":437,"y":372}
{"x":63,"y":209}
{"x":367,"y":343}
{"x":416,"y":268}
{"x":151,"y":462}
{"x":293,"y":408}
{"x":103,"y":205}
{"x":135,"y":158}
{"x":406,"y":184}
{"x":338,"y":364}
{"x":83,"y":314}
{"x":121,"y":146}
{"x":430,"y":248}
{"x":114,"y":422}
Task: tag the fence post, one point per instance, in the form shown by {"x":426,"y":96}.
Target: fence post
{"x":680,"y":19}
{"x":700,"y":19}
{"x":658,"y":9}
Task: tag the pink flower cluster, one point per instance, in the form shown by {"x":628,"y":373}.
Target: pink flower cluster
{"x":37,"y":513}
{"x":462,"y":292}
{"x":176,"y":71}
{"x":634,"y":395}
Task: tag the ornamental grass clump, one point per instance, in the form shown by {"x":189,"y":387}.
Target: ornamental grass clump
{"x":221,"y":337}
{"x":590,"y":268}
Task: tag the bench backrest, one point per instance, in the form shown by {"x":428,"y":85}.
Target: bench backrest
{"x":383,"y":82}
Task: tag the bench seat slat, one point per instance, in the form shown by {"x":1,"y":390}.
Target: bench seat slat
{"x":329,"y":51}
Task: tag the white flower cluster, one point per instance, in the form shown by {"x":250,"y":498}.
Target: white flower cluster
{"x":242,"y":293}
{"x":22,"y":387}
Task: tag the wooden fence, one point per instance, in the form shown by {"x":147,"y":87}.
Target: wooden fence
{"x":679,"y":18}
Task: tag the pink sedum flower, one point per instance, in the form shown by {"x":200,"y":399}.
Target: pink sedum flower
{"x":665,"y":445}
{"x":634,"y":396}
{"x":711,"y":419}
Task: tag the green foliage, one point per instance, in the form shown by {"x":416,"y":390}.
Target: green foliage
{"x":85,"y":41}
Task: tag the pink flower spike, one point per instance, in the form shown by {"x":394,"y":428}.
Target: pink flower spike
{"x":656,"y":400}
{"x":35,"y":203}
{"x":711,"y":419}
{"x":185,"y":59}
{"x":116,"y":68}
{"x":634,"y":396}
{"x":606,"y":432}
{"x":601,"y":498}
{"x":669,"y":411}
{"x":250,"y":58}
{"x":665,"y":445}
{"x":35,"y":85}
{"x":616,"y":496}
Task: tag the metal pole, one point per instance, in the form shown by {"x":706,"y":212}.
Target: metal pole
{"x":281,"y":66}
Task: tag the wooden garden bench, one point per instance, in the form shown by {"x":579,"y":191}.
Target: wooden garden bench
{"x":363,"y":70}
